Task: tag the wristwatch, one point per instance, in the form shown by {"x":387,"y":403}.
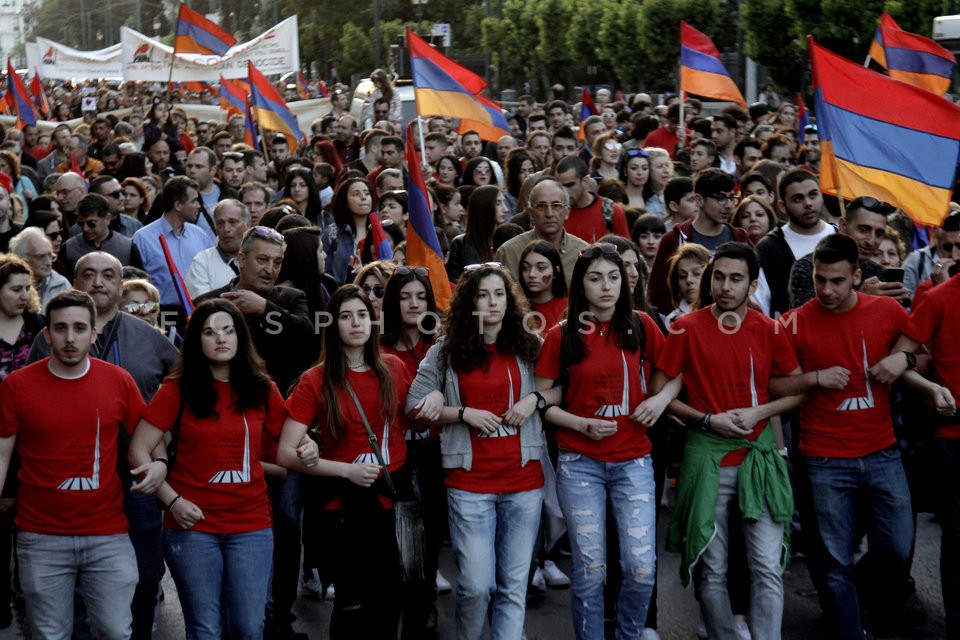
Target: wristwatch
{"x":705,"y":422}
{"x":541,"y":401}
{"x":911,"y":360}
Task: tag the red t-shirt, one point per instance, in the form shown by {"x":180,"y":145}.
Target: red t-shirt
{"x":666,"y":140}
{"x":67,"y":440}
{"x":854,"y":422}
{"x":724,"y":371}
{"x":307,"y":405}
{"x":552,"y":311}
{"x":494,"y":387}
{"x":935,"y":323}
{"x":588,"y":224}
{"x":411,"y":359}
{"x":218,"y":458}
{"x":609,"y":383}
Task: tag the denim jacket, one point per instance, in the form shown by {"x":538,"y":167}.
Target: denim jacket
{"x":456,"y":447}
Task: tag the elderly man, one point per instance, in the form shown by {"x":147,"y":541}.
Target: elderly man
{"x":549,"y":208}
{"x":68,"y":190}
{"x":35,"y":248}
{"x":215,"y":267}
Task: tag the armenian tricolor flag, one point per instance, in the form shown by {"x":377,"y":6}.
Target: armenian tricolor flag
{"x":271,"y":109}
{"x":916,"y":60}
{"x":381,"y":249}
{"x":876,"y":47}
{"x":803,"y":119}
{"x":233,"y":96}
{"x":701,"y":71}
{"x":196,"y":34}
{"x":18,"y":97}
{"x":884,"y":138}
{"x":39,"y":96}
{"x":250,"y":130}
{"x":423,"y":247}
{"x":444,"y":88}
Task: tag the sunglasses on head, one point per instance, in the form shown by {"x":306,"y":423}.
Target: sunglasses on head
{"x":266,"y":232}
{"x":141,"y":308}
{"x":376,"y":291}
{"x":405,"y":271}
{"x":602,"y":249}
{"x":633,"y":153}
{"x":481,"y":265}
{"x":873,"y":205}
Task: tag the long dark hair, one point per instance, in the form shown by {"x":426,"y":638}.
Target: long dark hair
{"x":390,"y":320}
{"x":248,"y":374}
{"x":626,"y":326}
{"x":464,"y":348}
{"x":482,"y":219}
{"x":314,"y":210}
{"x":300,"y":265}
{"x":335,"y":365}
{"x":639,"y":294}
{"x":341,"y":208}
{"x":549,"y":251}
{"x":514,"y":163}
{"x":467,"y":177}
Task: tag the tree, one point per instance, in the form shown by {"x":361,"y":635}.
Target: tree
{"x":553,"y":19}
{"x":617,"y":45}
{"x":582,"y":37}
{"x":775,"y":42}
{"x":660,"y":26}
{"x":356,"y":52}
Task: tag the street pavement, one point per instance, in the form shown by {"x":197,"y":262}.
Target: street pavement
{"x":548,"y":617}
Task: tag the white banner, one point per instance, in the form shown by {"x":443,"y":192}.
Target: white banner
{"x":55,"y":61}
{"x":275,"y":51}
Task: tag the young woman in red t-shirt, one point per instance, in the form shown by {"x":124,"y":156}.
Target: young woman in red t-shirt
{"x":543,"y":282}
{"x":217,"y":402}
{"x":359,"y":516}
{"x":409,"y":324}
{"x":603,"y":354}
{"x":478,"y":382}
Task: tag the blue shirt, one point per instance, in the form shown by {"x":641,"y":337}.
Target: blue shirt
{"x":183,"y":248}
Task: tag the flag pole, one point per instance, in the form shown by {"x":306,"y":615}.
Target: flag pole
{"x":866,"y":62}
{"x":422,"y":144}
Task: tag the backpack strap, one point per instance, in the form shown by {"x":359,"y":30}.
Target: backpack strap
{"x":606,"y":206}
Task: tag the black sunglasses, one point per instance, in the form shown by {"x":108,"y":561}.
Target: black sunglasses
{"x":872,"y":204}
{"x":405,"y":271}
{"x":377,"y":291}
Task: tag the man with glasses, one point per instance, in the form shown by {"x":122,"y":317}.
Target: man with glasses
{"x":938,"y":261}
{"x":68,"y":190}
{"x":865,"y":221}
{"x":109,"y":188}
{"x":715,"y":198}
{"x":93,"y":218}
{"x":37,"y":251}
{"x":204,"y":132}
{"x":549,"y":208}
{"x":147,"y":356}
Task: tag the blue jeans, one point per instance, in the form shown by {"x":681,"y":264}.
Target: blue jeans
{"x":492,"y":536}
{"x":763,"y":539}
{"x":585,"y":486}
{"x":842,"y":489}
{"x":103,"y":568}
{"x":221,"y":578}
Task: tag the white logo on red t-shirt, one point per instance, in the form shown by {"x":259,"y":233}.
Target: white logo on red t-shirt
{"x":92,"y":483}
{"x":862,"y":402}
{"x":622,"y":409}
{"x":371,"y":458}
{"x":504,"y":430}
{"x":229,"y":476}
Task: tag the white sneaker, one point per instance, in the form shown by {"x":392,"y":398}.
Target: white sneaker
{"x":649,"y":634}
{"x":443,"y":585}
{"x":330,"y":593}
{"x":554,"y":578}
{"x":702,"y":632}
{"x":742,"y":630}
{"x":312,"y":587}
{"x":538,"y":584}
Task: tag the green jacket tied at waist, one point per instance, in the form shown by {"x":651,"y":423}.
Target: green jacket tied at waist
{"x":762,"y":475}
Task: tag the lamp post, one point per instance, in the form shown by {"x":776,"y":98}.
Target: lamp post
{"x":418,"y":7}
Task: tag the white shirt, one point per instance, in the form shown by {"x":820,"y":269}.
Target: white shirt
{"x":207,"y":272}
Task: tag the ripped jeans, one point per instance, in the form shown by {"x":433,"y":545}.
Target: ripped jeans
{"x":585,"y":487}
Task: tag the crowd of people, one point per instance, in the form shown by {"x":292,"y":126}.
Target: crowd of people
{"x":639,"y":304}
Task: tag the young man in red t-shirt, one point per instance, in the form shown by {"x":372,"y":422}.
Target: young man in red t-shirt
{"x":588,"y":220}
{"x":850,"y":454}
{"x":725,"y":355}
{"x":64,"y":414}
{"x":935,"y":322}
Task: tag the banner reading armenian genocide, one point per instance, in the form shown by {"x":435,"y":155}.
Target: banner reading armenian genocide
{"x":55,"y":61}
{"x":275,"y":51}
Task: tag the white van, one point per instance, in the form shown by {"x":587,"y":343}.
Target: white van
{"x":361,"y":96}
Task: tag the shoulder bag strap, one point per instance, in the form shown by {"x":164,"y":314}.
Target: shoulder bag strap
{"x":372,"y":438}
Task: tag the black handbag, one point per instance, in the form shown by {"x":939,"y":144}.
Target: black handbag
{"x":408,"y":518}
